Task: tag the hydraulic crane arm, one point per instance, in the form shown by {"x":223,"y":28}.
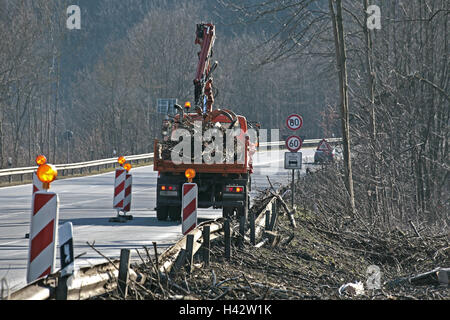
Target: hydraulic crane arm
{"x":205,"y":37}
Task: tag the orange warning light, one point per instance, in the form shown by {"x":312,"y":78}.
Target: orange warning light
{"x":189,"y":174}
{"x":41,"y":159}
{"x":127,"y":166}
{"x":187,"y":105}
{"x":47,"y":173}
{"x":121,"y":160}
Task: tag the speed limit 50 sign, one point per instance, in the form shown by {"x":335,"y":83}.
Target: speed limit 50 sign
{"x":293,"y":143}
{"x":294,"y":122}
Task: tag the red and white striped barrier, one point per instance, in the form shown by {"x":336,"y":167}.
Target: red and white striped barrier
{"x":190,"y":203}
{"x":43,"y":229}
{"x":119,"y":188}
{"x":37,"y":184}
{"x":127,"y":198}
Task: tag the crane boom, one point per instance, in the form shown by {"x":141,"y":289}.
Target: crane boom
{"x":205,"y":37}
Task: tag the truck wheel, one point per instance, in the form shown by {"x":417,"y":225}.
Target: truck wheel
{"x":175,"y":213}
{"x":162,"y":213}
{"x":227,"y":212}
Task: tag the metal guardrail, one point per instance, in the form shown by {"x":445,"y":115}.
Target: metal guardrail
{"x":94,"y":280}
{"x":77,"y":165}
{"x":85,"y":283}
{"x":131,"y":158}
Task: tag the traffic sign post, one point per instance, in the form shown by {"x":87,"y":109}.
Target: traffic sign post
{"x":67,"y":259}
{"x":292,"y":160}
{"x":65,"y":235}
{"x":293,"y":144}
{"x":68,"y":136}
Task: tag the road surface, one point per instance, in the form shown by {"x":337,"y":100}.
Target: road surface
{"x":87,"y":203}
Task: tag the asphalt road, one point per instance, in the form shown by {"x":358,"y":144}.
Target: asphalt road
{"x":87,"y":203}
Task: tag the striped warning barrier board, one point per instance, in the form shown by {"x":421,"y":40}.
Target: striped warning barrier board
{"x":127,"y":196}
{"x":119,"y":188}
{"x":190,"y":203}
{"x":37,"y":184}
{"x":43,"y":229}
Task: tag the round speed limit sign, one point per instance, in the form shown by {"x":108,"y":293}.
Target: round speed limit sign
{"x":293,"y":143}
{"x":294,"y":122}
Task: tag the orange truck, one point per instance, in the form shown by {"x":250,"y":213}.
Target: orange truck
{"x":225,"y":184}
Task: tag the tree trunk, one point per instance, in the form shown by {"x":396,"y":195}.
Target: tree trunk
{"x":343,"y":88}
{"x":372,"y":188}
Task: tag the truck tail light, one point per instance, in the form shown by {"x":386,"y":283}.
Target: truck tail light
{"x":169,"y":188}
{"x":234,"y":189}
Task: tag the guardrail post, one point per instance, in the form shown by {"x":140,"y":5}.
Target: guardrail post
{"x":227,"y":234}
{"x":252,"y":228}
{"x":61,"y":289}
{"x":122,"y":282}
{"x":179,"y":262}
{"x":190,"y":251}
{"x":206,"y":245}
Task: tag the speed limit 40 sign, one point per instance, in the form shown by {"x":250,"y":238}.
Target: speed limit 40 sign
{"x":293,"y":143}
{"x":294,"y":122}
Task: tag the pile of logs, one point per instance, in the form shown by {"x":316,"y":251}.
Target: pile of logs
{"x":208,"y":135}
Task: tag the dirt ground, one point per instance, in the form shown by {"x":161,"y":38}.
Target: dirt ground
{"x":311,"y":261}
